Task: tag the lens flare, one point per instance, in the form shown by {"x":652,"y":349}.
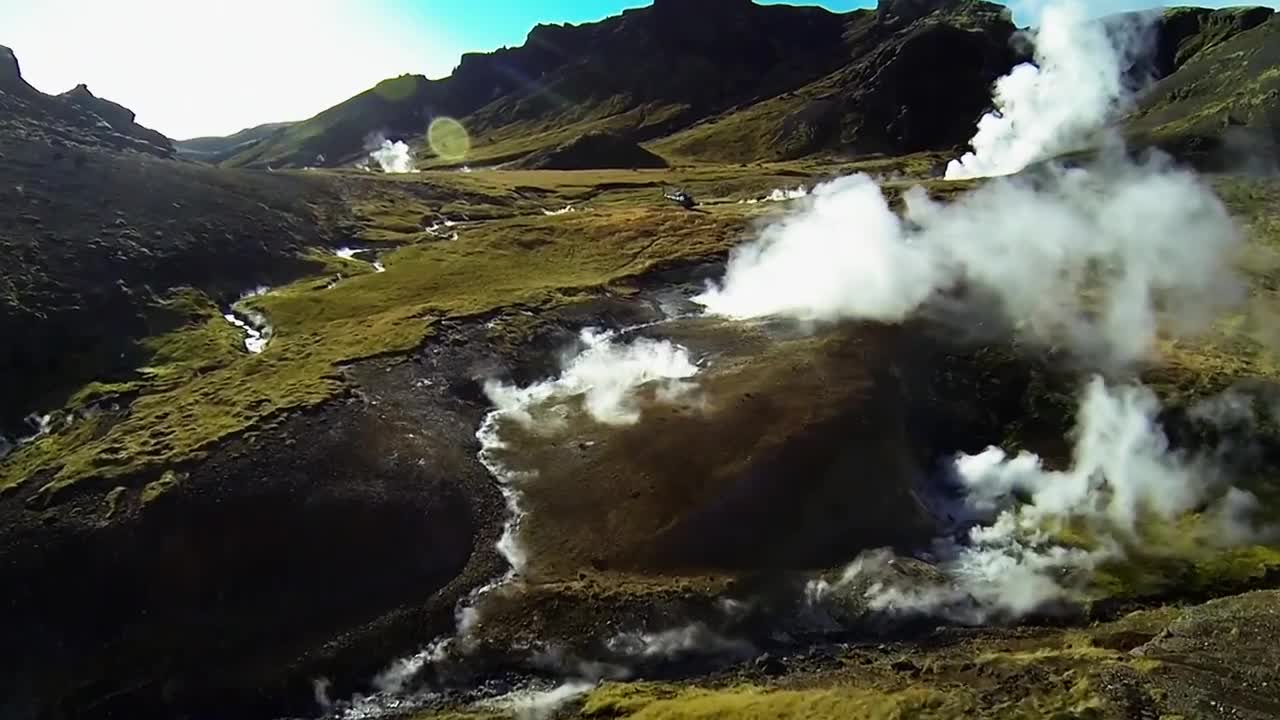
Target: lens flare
{"x":448,"y":139}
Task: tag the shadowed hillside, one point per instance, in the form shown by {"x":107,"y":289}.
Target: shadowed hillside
{"x":1221,"y":93}
{"x":653,"y":71}
{"x":100,"y":227}
{"x":76,"y":117}
{"x":732,"y":81}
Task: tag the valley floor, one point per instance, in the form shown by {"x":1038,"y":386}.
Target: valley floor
{"x":221,"y":525}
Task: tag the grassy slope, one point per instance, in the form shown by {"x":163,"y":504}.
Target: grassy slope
{"x":566,"y":80}
{"x":198,"y":387}
{"x":514,"y":140}
{"x":216,"y":149}
{"x":516,"y":257}
{"x":530,"y":259}
{"x":1222,"y":84}
{"x":114,"y":232}
{"x":351,"y":124}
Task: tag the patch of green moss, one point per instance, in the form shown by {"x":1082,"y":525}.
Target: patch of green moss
{"x":647,"y":701}
{"x":654,"y":702}
{"x":98,"y":391}
{"x":1187,"y":571}
{"x":153,"y":490}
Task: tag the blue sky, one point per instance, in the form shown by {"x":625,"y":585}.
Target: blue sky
{"x":191,"y":67}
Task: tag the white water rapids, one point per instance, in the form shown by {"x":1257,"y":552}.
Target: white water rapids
{"x":257,"y":332}
{"x":355,"y":253}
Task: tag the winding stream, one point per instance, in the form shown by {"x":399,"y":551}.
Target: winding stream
{"x":257,"y":331}
{"x":367,"y":255}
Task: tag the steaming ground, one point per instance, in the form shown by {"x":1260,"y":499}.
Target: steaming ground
{"x":638,"y":437}
{"x":392,"y":157}
{"x":1087,"y":260}
{"x":1027,"y":538}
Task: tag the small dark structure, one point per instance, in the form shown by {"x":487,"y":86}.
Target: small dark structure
{"x":680,"y":197}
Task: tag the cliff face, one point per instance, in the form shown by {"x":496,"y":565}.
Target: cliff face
{"x":1218,"y":96}
{"x":76,"y":117}
{"x":119,"y":117}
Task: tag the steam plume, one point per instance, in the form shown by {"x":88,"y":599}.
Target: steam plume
{"x":1086,"y":259}
{"x":1099,"y":261}
{"x":1010,"y":560}
{"x":606,"y":376}
{"x":604,"y":381}
{"x":393,"y":157}
{"x":531,"y":704}
{"x":679,"y":642}
{"x":1057,"y":104}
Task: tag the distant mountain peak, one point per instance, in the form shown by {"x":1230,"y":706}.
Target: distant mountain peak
{"x":10,"y":72}
{"x":80,"y":91}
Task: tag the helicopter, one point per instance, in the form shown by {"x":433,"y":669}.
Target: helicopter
{"x":680,"y":197}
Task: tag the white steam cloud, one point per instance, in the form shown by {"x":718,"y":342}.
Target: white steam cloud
{"x":1087,"y":259}
{"x":537,"y":704}
{"x":606,"y":376}
{"x":680,"y":642}
{"x":779,"y":195}
{"x":393,"y":157}
{"x":605,"y":381}
{"x":1100,"y":261}
{"x":1057,"y":104}
{"x":1011,"y":560}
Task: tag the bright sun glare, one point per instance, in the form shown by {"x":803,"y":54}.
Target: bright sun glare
{"x":233,"y":64}
{"x":448,"y":139}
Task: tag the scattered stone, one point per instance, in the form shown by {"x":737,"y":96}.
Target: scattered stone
{"x":769,"y":665}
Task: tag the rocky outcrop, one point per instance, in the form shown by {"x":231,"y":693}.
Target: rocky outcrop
{"x":1185,"y":32}
{"x":75,"y":118}
{"x":118,"y":117}
{"x":925,"y":88}
{"x":10,"y":73}
{"x":1218,"y":104}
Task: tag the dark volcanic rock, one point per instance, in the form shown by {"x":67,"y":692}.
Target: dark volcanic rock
{"x":76,"y":118}
{"x":1185,"y":32}
{"x":10,"y":74}
{"x":1217,"y":100}
{"x":593,"y":151}
{"x":905,"y":11}
{"x":96,"y":227}
{"x":324,"y":546}
{"x":920,"y":78}
{"x":118,"y":117}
